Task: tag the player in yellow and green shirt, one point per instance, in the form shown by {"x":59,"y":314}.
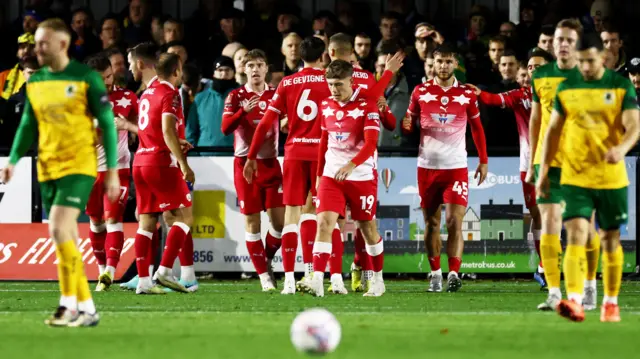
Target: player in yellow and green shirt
{"x":598,"y":115}
{"x":62,"y":99}
{"x":544,"y":82}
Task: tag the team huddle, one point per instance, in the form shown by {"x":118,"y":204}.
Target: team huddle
{"x":576,"y":123}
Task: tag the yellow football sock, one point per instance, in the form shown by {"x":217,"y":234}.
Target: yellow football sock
{"x":612,"y":271}
{"x":593,"y":256}
{"x":550,"y":253}
{"x":68,"y":257}
{"x":574,"y":270}
{"x":84,"y":292}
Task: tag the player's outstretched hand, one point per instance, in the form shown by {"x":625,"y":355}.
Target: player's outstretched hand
{"x":530,"y":178}
{"x":345,"y":171}
{"x":406,"y":123}
{"x":614,"y":155}
{"x":542,"y":187}
{"x":250,"y":170}
{"x":475,"y":89}
{"x":481,"y":173}
{"x":6,"y":174}
{"x":185,"y":146}
{"x":187,"y":173}
{"x":251,"y":104}
{"x":394,"y":63}
{"x":112,"y":185}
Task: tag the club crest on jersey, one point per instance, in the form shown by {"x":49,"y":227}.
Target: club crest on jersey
{"x":339,"y":115}
{"x":262,"y":105}
{"x":70,"y":90}
{"x":442,"y":118}
{"x":444,"y":100}
{"x":608,"y":98}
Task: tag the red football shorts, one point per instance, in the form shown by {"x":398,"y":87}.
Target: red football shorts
{"x":361,"y":196}
{"x":160,"y":189}
{"x":438,"y":187}
{"x":264,"y":192}
{"x":99,"y":205}
{"x":299,"y":177}
{"x":528,"y":190}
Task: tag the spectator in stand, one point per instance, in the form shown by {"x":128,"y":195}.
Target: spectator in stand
{"x":600,"y":13}
{"x":172,"y":30}
{"x":529,"y":27}
{"x":362,"y":47}
{"x":613,"y":42}
{"x":238,"y":62}
{"x":409,"y":17}
{"x":476,"y":30}
{"x":429,"y":68}
{"x":522,"y":76}
{"x":497,"y":45}
{"x":11,"y":109}
{"x":327,"y":22}
{"x":83,"y":42}
{"x":205,"y":116}
{"x":609,"y":59}
{"x":263,"y":19}
{"x":508,"y":30}
{"x":11,"y":80}
{"x":230,"y":49}
{"x":30,"y":20}
{"x":110,"y":32}
{"x":137,"y":23}
{"x":118,"y":66}
{"x":291,"y":52}
{"x":508,"y":68}
{"x":397,"y":96}
{"x":191,"y":86}
{"x":390,"y":30}
{"x":178,"y":48}
{"x":633,"y":69}
{"x":157,"y":30}
{"x":545,"y":40}
{"x":426,"y":40}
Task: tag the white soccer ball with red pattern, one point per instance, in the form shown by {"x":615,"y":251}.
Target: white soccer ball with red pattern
{"x":315,"y":331}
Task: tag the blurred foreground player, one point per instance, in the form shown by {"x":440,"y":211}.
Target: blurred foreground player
{"x":62,"y":99}
{"x":596,"y":110}
{"x":441,"y":108}
{"x":243,"y":110}
{"x":346,"y":174}
{"x":159,"y":173}
{"x":107,"y":238}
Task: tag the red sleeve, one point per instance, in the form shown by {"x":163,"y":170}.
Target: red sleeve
{"x":492,"y":99}
{"x":413,"y":111}
{"x":324,"y":145}
{"x":388,"y":119}
{"x":477,"y":132}
{"x":277,"y":103}
{"x":171,"y":104}
{"x":265,"y":124}
{"x":371,"y":133}
{"x":380,"y":86}
{"x":232,"y":114}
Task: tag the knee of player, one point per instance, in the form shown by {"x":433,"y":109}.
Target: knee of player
{"x":59,"y":233}
{"x":111,"y":220}
{"x":369,"y":231}
{"x":325,"y":224}
{"x":453,"y":223}
{"x":252,"y":223}
{"x":96,"y":221}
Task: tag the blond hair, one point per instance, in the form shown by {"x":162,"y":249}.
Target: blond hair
{"x":56,"y":24}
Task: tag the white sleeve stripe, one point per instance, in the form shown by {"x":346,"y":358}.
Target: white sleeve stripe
{"x":502,"y":99}
{"x":274,"y":109}
{"x":170,"y":114}
{"x":227,"y":113}
{"x":372,"y":128}
{"x":323,"y":128}
{"x":477,"y":115}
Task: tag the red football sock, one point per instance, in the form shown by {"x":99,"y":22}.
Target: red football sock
{"x":141,"y":246}
{"x":98,"y":235}
{"x":434,"y":263}
{"x":256,"y":251}
{"x":308,"y":228}
{"x":273,"y":243}
{"x":186,"y":252}
{"x":175,"y":238}
{"x":114,"y":243}
{"x":376,"y":252}
{"x":321,"y":255}
{"x":337,"y":251}
{"x":454,"y":264}
{"x":359,"y":248}
{"x":289,"y":247}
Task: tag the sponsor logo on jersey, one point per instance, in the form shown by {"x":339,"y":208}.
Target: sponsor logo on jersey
{"x":164,"y":205}
{"x":443,"y":118}
{"x":492,"y":180}
{"x":373,"y":116}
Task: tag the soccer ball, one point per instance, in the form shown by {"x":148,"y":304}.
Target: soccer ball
{"x":315,"y":331}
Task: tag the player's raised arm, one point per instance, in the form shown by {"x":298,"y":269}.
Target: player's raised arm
{"x":234,"y":112}
{"x":392,"y":66}
{"x":477,"y":132}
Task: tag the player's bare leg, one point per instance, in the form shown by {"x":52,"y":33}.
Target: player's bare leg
{"x":255,"y":247}
{"x":590,"y":300}
{"x":536,"y":226}
{"x":147,"y":226}
{"x":273,"y":241}
{"x":454,"y":214}
{"x":97,"y":236}
{"x":433,"y":246}
{"x":290,"y":247}
{"x":321,"y":253}
{"x":551,"y":252}
{"x":179,"y":222}
{"x":335,"y":262}
{"x":375,"y":249}
{"x":612,"y":262}
{"x":574,"y":267}
{"x":76,"y":305}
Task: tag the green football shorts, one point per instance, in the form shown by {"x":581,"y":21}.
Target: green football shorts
{"x":555,"y":191}
{"x":611,"y":205}
{"x":69,"y":191}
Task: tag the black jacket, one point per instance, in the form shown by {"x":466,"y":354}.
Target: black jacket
{"x":10,"y":114}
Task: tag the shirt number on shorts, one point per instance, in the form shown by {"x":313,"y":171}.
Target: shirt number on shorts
{"x":143,"y":115}
{"x":367,"y":202}
{"x":305,"y":103}
{"x":460,"y":188}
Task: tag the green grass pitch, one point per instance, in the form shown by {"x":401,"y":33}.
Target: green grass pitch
{"x":230,"y":320}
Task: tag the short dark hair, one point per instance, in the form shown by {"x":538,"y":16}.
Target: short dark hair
{"x":547,"y":30}
{"x":167,"y":64}
{"x":173,"y":20}
{"x":362,"y":35}
{"x":107,"y":17}
{"x":612,"y":29}
{"x":339,"y":69}
{"x":392,"y":15}
{"x":30,"y":62}
{"x":171,"y":44}
{"x":112,"y":51}
{"x":191,"y":76}
{"x":389,"y":47}
{"x":311,"y":49}
{"x":499,"y":38}
{"x":98,"y":62}
{"x":508,"y":53}
{"x":254,"y":55}
{"x":538,"y":52}
{"x":445,"y":50}
{"x":572,"y":24}
{"x":146,"y":51}
{"x":590,"y":40}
